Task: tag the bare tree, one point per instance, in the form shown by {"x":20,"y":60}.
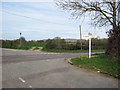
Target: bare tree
{"x":102,"y":12}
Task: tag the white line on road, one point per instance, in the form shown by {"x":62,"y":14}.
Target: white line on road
{"x":21,"y":79}
{"x":30,"y":86}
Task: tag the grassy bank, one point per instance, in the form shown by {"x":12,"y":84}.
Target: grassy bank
{"x":69,"y":51}
{"x":100,"y":63}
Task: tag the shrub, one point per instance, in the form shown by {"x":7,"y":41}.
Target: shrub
{"x":55,"y":43}
{"x":50,"y":44}
{"x":78,"y":45}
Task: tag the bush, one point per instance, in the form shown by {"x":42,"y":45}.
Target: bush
{"x":55,"y":43}
{"x":36,"y":48}
{"x":15,"y":44}
{"x":113,"y":48}
{"x":58,"y":43}
{"x":99,"y":43}
{"x":85,"y":47}
{"x":69,"y":47}
{"x":50,"y":44}
{"x":78,"y":45}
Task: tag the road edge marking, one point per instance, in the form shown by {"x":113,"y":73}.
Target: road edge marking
{"x":21,"y":79}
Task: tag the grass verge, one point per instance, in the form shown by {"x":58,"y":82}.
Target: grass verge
{"x":36,"y":48}
{"x":100,"y":63}
{"x":69,"y":51}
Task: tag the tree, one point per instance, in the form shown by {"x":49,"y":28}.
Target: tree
{"x":50,"y":44}
{"x":55,"y":43}
{"x":22,"y":39}
{"x":102,"y":13}
{"x":59,"y":42}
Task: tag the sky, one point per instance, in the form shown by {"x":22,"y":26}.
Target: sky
{"x":42,"y":20}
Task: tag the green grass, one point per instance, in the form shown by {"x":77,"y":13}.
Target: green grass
{"x":101,"y":63}
{"x":36,"y":48}
{"x":70,"y":51}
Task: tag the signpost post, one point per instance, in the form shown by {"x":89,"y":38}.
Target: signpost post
{"x":90,"y":36}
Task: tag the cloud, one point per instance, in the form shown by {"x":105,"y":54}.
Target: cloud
{"x":42,"y":21}
{"x":42,"y":5}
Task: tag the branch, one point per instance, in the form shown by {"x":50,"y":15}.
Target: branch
{"x":84,"y":7}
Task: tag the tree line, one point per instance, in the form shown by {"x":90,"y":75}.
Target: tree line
{"x":55,"y":43}
{"x":58,"y":43}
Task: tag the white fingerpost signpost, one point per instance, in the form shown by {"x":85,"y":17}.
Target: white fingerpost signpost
{"x":90,"y":36}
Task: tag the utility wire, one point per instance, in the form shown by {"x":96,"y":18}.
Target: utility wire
{"x":20,"y":15}
{"x":32,"y":18}
{"x":29,"y":17}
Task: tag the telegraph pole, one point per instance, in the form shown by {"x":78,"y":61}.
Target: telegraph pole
{"x":80,"y":37}
{"x":20,"y":39}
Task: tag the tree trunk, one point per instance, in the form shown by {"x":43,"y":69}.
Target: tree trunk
{"x":113,"y":48}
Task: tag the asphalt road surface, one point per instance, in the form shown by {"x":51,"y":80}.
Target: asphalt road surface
{"x":33,"y":69}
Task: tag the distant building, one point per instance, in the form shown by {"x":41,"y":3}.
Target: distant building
{"x":71,"y":40}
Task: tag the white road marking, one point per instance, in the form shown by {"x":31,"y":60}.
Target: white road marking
{"x":30,"y":86}
{"x":50,"y":53}
{"x":13,"y":49}
{"x":18,"y":63}
{"x":22,"y":62}
{"x":10,"y":63}
{"x":21,"y":79}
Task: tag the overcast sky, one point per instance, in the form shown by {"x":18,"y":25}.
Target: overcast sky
{"x":42,"y":20}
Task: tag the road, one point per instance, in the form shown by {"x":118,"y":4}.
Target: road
{"x":33,"y":69}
